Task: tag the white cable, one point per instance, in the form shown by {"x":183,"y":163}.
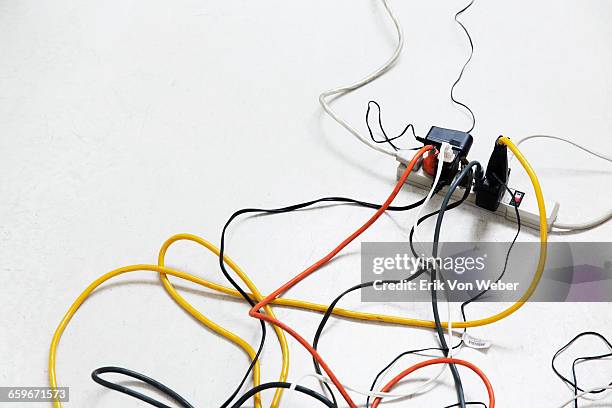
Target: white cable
{"x":426,"y":386}
{"x":590,"y":397}
{"x":586,"y":224}
{"x":586,"y":149}
{"x":607,"y":216}
{"x":580,"y":395}
{"x":371,"y":77}
{"x":429,"y":384}
{"x":444,"y":150}
{"x":373,"y":394}
{"x":291,"y":390}
{"x":420,"y":389}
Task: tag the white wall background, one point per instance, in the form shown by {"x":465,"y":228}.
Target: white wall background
{"x":123,"y":122}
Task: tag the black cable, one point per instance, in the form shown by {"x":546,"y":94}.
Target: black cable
{"x":95,"y":375}
{"x":460,"y":12}
{"x":574,"y":383}
{"x":279,"y":211}
{"x":465,"y":171}
{"x":434,"y":298}
{"x":290,"y":208}
{"x":382,"y":129}
{"x":298,"y":388}
{"x":447,"y":197}
{"x":388,"y":366}
{"x":330,"y":310}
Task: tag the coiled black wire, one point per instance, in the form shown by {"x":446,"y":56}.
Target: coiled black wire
{"x":95,"y":375}
{"x":574,"y":382}
{"x":386,"y":139}
{"x":452,"y":92}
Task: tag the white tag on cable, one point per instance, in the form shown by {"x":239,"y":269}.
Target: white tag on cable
{"x":475,"y":342}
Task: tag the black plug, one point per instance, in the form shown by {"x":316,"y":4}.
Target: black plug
{"x":460,"y":142}
{"x":490,"y":189}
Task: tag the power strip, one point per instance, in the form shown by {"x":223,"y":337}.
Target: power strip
{"x":528,"y":206}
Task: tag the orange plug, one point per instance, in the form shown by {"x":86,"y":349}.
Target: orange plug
{"x":430,"y":163}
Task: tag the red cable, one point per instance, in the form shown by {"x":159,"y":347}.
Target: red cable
{"x":254,"y":311}
{"x":415,"y":367}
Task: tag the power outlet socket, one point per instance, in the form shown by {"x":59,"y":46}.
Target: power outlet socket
{"x":528,"y":206}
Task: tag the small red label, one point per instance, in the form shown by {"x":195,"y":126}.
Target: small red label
{"x":517,"y":199}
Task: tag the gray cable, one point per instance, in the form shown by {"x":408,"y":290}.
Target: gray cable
{"x":447,"y":197}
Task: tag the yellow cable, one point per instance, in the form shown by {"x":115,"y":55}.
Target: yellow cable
{"x":314,"y":306}
{"x":256,"y":295}
{"x":194,"y":312}
{"x":299,"y":304}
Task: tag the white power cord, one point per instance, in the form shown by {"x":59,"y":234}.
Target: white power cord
{"x":582,"y":394}
{"x":374,"y":75}
{"x":585,"y":225}
{"x":429,"y":384}
{"x":372,"y":394}
{"x":291,"y":390}
{"x":586,"y":149}
{"x":420,"y":389}
{"x":445,"y":151}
